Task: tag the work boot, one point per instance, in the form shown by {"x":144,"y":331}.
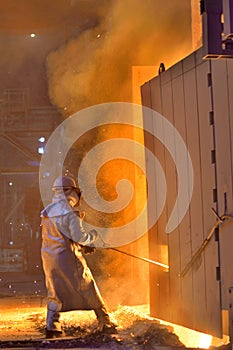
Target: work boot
{"x":53,"y":334}
{"x":105,"y":325}
{"x":53,"y":326}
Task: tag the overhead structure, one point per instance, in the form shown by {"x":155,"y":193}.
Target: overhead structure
{"x":217,"y":26}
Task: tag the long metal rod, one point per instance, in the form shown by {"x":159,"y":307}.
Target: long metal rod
{"x":220,"y":220}
{"x":141,"y":258}
{"x":157,"y":263}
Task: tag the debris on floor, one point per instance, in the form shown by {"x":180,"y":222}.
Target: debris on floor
{"x":136,"y":331}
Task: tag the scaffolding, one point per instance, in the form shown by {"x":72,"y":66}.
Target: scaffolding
{"x":22,"y":126}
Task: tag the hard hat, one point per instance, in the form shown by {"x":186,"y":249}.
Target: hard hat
{"x":64,"y":182}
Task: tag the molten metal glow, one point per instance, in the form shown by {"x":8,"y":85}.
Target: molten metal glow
{"x":188,"y":337}
{"x":194,"y":339}
{"x":205,"y":341}
{"x":191,"y":338}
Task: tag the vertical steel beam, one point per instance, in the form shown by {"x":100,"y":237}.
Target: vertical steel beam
{"x":211,"y":11}
{"x":228,"y":17}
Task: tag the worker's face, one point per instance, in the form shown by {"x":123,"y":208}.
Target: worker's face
{"x":72,"y":197}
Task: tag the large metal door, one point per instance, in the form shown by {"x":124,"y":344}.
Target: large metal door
{"x":222,"y":89}
{"x":187,"y":96}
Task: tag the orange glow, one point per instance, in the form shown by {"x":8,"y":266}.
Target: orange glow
{"x":188,"y":337}
{"x":196,"y":25}
{"x":140,"y":75}
{"x":193,"y":339}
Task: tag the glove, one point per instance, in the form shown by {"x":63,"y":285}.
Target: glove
{"x":80,"y":214}
{"x":94,"y":234}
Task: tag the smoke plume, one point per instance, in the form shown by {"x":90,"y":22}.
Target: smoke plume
{"x":96,"y":67}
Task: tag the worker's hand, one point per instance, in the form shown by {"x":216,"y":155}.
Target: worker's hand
{"x":94,"y":235}
{"x":79,"y":213}
{"x":97,"y":240}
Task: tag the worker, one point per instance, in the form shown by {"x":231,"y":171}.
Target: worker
{"x":69,"y":281}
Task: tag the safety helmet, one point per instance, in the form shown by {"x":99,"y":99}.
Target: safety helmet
{"x":65,"y":182}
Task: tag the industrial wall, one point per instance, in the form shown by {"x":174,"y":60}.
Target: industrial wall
{"x":195,"y":95}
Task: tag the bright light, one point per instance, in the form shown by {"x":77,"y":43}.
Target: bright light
{"x":41,"y":139}
{"x":205,"y":341}
{"x":10,"y":183}
{"x":32,"y":35}
{"x":191,"y":338}
{"x":40,"y":150}
{"x":11,"y":243}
